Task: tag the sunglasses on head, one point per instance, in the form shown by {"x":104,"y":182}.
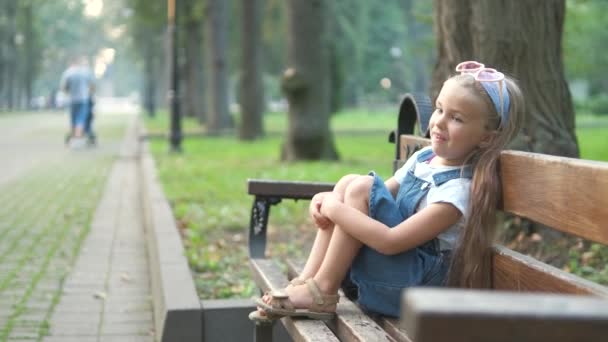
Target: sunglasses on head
{"x":480,"y":72}
{"x":497,"y":91}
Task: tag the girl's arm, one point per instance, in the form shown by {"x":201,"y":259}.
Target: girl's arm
{"x":416,"y":230}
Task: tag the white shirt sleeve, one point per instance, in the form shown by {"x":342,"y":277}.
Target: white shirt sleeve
{"x":455,"y":192}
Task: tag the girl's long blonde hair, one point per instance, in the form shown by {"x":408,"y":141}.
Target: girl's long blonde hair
{"x":471,"y":260}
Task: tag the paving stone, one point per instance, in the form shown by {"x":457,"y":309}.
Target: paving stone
{"x":128,"y":328}
{"x":83,"y":289}
{"x":35,"y":306}
{"x":42,"y":310}
{"x":117,"y":317}
{"x":33,"y":316}
{"x":79,"y":303}
{"x":19,"y":333}
{"x":6,"y":301}
{"x":76,"y":317}
{"x":84,"y":328}
{"x":22,"y":336}
{"x":62,"y":338}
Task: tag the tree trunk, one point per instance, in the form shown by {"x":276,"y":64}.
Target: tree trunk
{"x":149,"y":79}
{"x":306,"y":84}
{"x":218,"y":116}
{"x":3,"y":50}
{"x":10,"y":54}
{"x":523,"y":39}
{"x":193,"y":85}
{"x":419,"y":82}
{"x":251,"y":94}
{"x":29,"y":53}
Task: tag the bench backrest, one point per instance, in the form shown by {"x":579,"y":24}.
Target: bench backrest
{"x":566,"y":194}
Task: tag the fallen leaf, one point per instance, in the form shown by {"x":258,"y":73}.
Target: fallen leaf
{"x":100,"y":295}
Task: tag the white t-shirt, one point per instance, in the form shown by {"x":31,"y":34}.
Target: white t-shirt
{"x":455,"y":192}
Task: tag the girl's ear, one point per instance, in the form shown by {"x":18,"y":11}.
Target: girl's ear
{"x":487,"y":139}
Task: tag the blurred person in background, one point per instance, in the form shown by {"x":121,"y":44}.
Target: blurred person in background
{"x":78,"y":82}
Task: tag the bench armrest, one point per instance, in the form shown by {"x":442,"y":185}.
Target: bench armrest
{"x":474,"y":315}
{"x":286,"y":189}
{"x":271,"y":192}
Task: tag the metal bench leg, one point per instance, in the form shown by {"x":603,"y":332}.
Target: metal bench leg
{"x":258,"y":225}
{"x":263,"y":331}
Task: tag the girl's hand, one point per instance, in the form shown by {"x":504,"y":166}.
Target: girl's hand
{"x":331,"y":202}
{"x":320,"y":220}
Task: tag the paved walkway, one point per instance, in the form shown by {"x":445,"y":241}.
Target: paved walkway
{"x":73,"y":263}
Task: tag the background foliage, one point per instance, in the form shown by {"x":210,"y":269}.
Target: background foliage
{"x":370,"y":37}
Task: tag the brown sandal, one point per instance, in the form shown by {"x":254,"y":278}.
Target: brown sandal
{"x":262,"y":317}
{"x":296,"y":281}
{"x":281,"y":306}
{"x":293,"y":282}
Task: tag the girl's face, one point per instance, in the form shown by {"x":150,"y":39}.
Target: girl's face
{"x":458,"y":124}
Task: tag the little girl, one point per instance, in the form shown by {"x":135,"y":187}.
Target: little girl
{"x":431,"y":224}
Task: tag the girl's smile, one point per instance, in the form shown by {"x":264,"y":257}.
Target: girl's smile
{"x":437,"y":137}
{"x":458,"y":124}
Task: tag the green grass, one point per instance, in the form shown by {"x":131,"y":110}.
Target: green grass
{"x":160,"y":123}
{"x":592,"y":135}
{"x":206,"y":186}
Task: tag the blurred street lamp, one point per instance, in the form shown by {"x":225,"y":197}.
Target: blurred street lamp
{"x":175,"y":136}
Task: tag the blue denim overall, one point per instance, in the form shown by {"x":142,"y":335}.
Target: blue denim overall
{"x":381,"y":278}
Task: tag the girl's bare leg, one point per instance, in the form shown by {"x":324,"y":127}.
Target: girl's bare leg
{"x":319,"y":246}
{"x":343,"y":247}
{"x":341,"y":250}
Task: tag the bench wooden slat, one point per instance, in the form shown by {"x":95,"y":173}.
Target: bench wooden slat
{"x":517,"y":272}
{"x":286,"y":189}
{"x":394,"y":329}
{"x":268,"y":276}
{"x":570,"y":195}
{"x":306,"y":330}
{"x":352,"y":324}
{"x":455,"y":315}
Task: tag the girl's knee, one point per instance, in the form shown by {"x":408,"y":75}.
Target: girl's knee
{"x":347,"y":179}
{"x":343,"y":183}
{"x":359,"y":188}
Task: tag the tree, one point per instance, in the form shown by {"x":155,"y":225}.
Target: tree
{"x":147,"y":24}
{"x":416,"y":58}
{"x":218,"y":116}
{"x":251,"y":95}
{"x":8,"y":53}
{"x":29,"y":47}
{"x":523,"y":39}
{"x":193,"y":99}
{"x":306,"y":84}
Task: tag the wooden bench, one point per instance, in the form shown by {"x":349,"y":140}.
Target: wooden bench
{"x":569,"y":195}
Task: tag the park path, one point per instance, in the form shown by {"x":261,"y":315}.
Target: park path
{"x":73,"y":263}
